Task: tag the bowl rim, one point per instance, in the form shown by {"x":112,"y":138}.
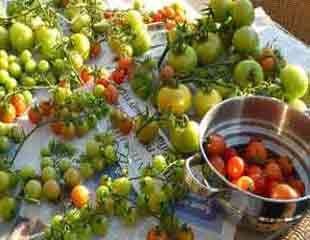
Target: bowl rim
{"x":203,"y":128}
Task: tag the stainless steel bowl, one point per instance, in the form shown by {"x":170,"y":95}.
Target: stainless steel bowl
{"x":285,"y":131}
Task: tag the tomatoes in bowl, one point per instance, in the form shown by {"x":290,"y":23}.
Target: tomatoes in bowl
{"x":254,"y":168}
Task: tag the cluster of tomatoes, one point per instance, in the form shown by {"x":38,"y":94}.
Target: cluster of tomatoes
{"x":255,"y":169}
{"x":170,"y":15}
{"x":15,"y":107}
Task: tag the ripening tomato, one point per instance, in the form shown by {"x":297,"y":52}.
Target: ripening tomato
{"x":215,"y":145}
{"x":69,"y":131}
{"x":18,"y":101}
{"x":7,"y":113}
{"x":157,"y":234}
{"x":298,"y":185}
{"x":79,"y":196}
{"x":34,"y":115}
{"x":284,"y":192}
{"x":125,"y":63}
{"x":245,"y":183}
{"x":86,"y":76}
{"x":219,"y":164}
{"x":111,"y":94}
{"x":235,"y":167}
{"x":255,"y":150}
{"x":273,"y":171}
{"x":126,"y":125}
{"x":268,"y":63}
{"x":95,"y":49}
{"x":286,"y":166}
{"x":118,"y":76}
{"x":57,"y":127}
{"x":167,"y":73}
{"x":46,"y":108}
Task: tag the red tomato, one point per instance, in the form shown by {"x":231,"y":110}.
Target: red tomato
{"x":86,"y":76}
{"x":111,"y":94}
{"x":254,"y":170}
{"x":286,"y":166}
{"x":95,"y":49}
{"x":260,"y":184}
{"x":298,"y":185}
{"x":167,"y":73}
{"x":118,"y":76}
{"x":216,"y":145}
{"x":125,"y":63}
{"x":229,"y":153}
{"x":7,"y":113}
{"x":34,"y":115}
{"x":273,"y":171}
{"x":245,"y":183}
{"x":284,"y":191}
{"x":235,"y":167}
{"x":219,"y":164}
{"x":270,"y":185}
{"x":18,"y":101}
{"x":57,"y":127}
{"x":157,"y":17}
{"x":255,"y":150}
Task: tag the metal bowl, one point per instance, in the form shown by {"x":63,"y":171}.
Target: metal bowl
{"x":284,"y":131}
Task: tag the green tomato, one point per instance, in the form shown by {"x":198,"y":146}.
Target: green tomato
{"x":159,"y":163}
{"x":99,"y":225}
{"x":148,"y":185}
{"x":242,"y":13}
{"x":15,"y":69}
{"x":183,"y":62}
{"x":203,"y":101}
{"x":43,"y":66}
{"x":48,"y":173}
{"x":80,"y":44}
{"x":25,"y":56}
{"x":98,"y":164}
{"x":51,"y":190}
{"x":48,"y":39}
{"x":3,"y":53}
{"x":46,"y":162}
{"x":121,"y":186}
{"x":4,"y":63}
{"x":4,"y":181}
{"x":8,"y":208}
{"x":76,"y":59}
{"x":86,"y":170}
{"x":99,"y":90}
{"x":248,"y":72}
{"x":92,"y":148}
{"x":102,"y":193}
{"x":4,"y":38}
{"x":221,"y":9}
{"x":4,"y":76}
{"x":295,"y":81}
{"x":135,"y":20}
{"x":209,"y":51}
{"x":27,"y":172}
{"x":72,"y":177}
{"x":21,"y":36}
{"x":60,"y":95}
{"x":13,"y":59}
{"x":71,"y":11}
{"x":4,"y":144}
{"x":156,"y":200}
{"x":4,"y":129}
{"x":92,"y":121}
{"x":246,"y":40}
{"x":64,"y":164}
{"x":33,"y":189}
{"x":45,"y":152}
{"x":185,"y":139}
{"x":30,"y":66}
{"x":28,"y":97}
{"x":28,"y":81}
{"x":11,"y":84}
{"x":141,"y":43}
{"x":58,"y":65}
{"x":142,"y":84}
{"x":298,"y":105}
{"x":17,"y":134}
{"x":80,"y":21}
{"x":130,"y":217}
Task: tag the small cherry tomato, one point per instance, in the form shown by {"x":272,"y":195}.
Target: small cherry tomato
{"x":157,"y":234}
{"x":7,"y":113}
{"x":255,"y":150}
{"x":283,"y":192}
{"x":111,"y":94}
{"x":268,"y":64}
{"x":273,"y":171}
{"x":18,"y":101}
{"x":86,"y":76}
{"x":57,"y":127}
{"x":215,"y":145}
{"x":79,"y":196}
{"x":95,"y":49}
{"x":219,"y":164}
{"x":167,"y":73}
{"x":245,"y":183}
{"x":229,"y":153}
{"x":34,"y":115}
{"x":298,"y":185}
{"x":286,"y":166}
{"x":235,"y":167}
{"x":46,"y":108}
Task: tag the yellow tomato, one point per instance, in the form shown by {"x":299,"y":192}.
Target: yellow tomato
{"x":203,"y":101}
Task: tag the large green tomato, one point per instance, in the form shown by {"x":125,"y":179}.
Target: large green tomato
{"x":21,"y":36}
{"x":99,"y":225}
{"x":47,"y":39}
{"x":221,"y":9}
{"x":141,"y":43}
{"x":4,"y":181}
{"x":7,"y":208}
{"x":134,"y":20}
{"x":183,"y":62}
{"x":295,"y":81}
{"x":242,"y":12}
{"x":248,"y":72}
{"x":246,"y":40}
{"x":208,"y":51}
{"x":81,"y":44}
{"x":203,"y":101}
{"x":186,"y":140}
{"x":175,"y":100}
{"x":80,"y":21}
{"x":33,"y":189}
{"x":4,"y":38}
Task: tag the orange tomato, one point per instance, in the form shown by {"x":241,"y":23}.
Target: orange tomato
{"x":34,"y":115}
{"x":86,"y":76}
{"x":111,"y":94}
{"x":284,"y":192}
{"x":79,"y":196}
{"x":235,"y":167}
{"x":245,"y":183}
{"x":57,"y":127}
{"x":7,"y":113}
{"x":69,"y":131}
{"x":157,"y":234}
{"x":126,"y":125}
{"x":125,"y":63}
{"x":268,"y":64}
{"x":255,"y":150}
{"x":18,"y":101}
{"x":169,"y":12}
{"x":95,"y":49}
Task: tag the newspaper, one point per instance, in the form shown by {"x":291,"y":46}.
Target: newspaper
{"x":201,"y":214}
